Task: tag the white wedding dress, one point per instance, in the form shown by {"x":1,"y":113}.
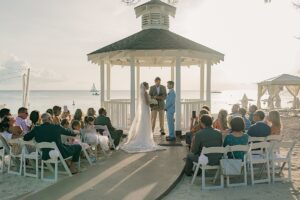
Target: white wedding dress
{"x":140,"y":137}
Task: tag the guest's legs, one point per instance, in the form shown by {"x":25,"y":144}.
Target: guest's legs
{"x":76,"y":149}
{"x":153,"y":118}
{"x":161,"y":120}
{"x":170,"y":119}
{"x":116,"y":136}
{"x":188,"y":169}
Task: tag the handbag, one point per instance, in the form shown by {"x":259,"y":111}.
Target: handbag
{"x":231,"y":167}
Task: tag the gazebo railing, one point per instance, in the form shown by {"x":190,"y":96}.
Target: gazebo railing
{"x":119,"y":112}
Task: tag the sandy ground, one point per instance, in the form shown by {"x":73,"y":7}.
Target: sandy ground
{"x":278,"y":191}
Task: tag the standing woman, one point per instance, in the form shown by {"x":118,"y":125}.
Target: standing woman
{"x":275,"y":122}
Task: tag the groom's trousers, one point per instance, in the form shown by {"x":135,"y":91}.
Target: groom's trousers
{"x":170,"y":118}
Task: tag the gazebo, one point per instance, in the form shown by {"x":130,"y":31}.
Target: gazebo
{"x":275,"y":85}
{"x":154,"y":46}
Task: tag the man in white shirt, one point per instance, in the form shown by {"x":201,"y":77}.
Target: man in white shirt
{"x":22,"y":121}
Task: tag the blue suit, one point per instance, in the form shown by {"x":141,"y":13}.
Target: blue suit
{"x":170,"y":108}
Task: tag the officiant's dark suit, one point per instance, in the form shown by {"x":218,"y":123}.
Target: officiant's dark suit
{"x":159,"y":93}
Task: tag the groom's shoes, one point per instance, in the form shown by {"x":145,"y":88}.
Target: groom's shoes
{"x":162,"y":133}
{"x":170,"y":139}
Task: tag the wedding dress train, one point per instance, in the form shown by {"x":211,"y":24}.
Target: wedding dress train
{"x":140,"y":137}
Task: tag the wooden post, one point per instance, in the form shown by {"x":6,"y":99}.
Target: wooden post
{"x":108,"y":74}
{"x":102,"y":88}
{"x":132,"y":89}
{"x":178,"y":94}
{"x":208,"y":83}
{"x":202,"y":83}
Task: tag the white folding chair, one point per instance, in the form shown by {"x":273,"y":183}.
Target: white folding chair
{"x":106,"y":132}
{"x":30,"y":157}
{"x":256,"y":139}
{"x":245,"y":150}
{"x":275,"y":138}
{"x":282,"y":159}
{"x":261,"y":159}
{"x":198,"y":165}
{"x":16,"y":156}
{"x":54,"y":160}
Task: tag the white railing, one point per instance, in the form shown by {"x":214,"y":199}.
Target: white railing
{"x":119,"y":111}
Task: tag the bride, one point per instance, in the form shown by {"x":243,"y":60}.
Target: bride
{"x":140,"y":137}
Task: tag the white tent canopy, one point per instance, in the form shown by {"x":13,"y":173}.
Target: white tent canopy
{"x":275,"y":85}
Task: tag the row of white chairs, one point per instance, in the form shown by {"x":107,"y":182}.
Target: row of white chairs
{"x":20,"y":153}
{"x":265,"y":153}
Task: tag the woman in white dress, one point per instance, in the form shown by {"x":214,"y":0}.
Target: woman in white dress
{"x":140,"y":137}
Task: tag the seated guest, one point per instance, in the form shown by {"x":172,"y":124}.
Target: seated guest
{"x":260,"y":128}
{"x":91,"y":112}
{"x":8,"y":128}
{"x":206,"y":108}
{"x":221,"y":122}
{"x":56,"y":113}
{"x":194,"y":127}
{"x":90,"y":134}
{"x":35,"y":119}
{"x":275,"y":122}
{"x":65,"y":123}
{"x":252,"y":110}
{"x":243,"y":113}
{"x":22,"y":119}
{"x":50,"y":111}
{"x":66,"y":114}
{"x":234,"y":112}
{"x":78,"y":115}
{"x":103,"y":120}
{"x":207,"y":137}
{"x":49,"y":132}
{"x":236,"y":137}
{"x":4,"y":112}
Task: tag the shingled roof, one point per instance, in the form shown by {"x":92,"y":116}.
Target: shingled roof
{"x":157,"y":39}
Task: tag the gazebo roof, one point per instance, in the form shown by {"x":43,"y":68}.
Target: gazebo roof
{"x":284,"y":79}
{"x":160,"y":39}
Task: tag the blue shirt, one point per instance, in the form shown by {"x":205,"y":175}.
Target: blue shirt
{"x":247,"y":123}
{"x":259,"y":129}
{"x":231,"y":140}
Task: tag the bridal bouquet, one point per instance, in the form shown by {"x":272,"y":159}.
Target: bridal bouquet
{"x":153,"y":101}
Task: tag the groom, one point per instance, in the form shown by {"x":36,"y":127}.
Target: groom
{"x":170,"y":109}
{"x":159,"y":93}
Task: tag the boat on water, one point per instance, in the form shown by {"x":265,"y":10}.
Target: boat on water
{"x":94,"y":90}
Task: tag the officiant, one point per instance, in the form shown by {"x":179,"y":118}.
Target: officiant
{"x":159,"y":93}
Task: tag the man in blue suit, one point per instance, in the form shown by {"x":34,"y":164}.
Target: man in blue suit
{"x":170,"y":109}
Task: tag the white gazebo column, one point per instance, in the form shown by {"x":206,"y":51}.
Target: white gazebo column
{"x":202,"y":83}
{"x":172,"y":73}
{"x":208,"y":83}
{"x":102,"y":83}
{"x":138,"y":75}
{"x":108,"y":74}
{"x":132,"y":89}
{"x":178,"y":94}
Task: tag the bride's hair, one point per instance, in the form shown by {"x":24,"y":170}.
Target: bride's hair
{"x":145,"y":84}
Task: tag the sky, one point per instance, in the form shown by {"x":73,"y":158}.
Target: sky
{"x":52,"y":37}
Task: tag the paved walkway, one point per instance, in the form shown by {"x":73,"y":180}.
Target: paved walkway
{"x":122,"y":176}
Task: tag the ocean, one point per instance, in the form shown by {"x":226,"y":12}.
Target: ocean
{"x":42,"y":100}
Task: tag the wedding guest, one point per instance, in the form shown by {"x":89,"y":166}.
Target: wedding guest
{"x":49,"y":132}
{"x":90,"y":134}
{"x":56,"y":113}
{"x":22,"y":119}
{"x":194,"y":127}
{"x":221,"y":122}
{"x":103,"y":120}
{"x":236,"y":137}
{"x":79,"y":117}
{"x":8,"y":128}
{"x":207,"y":137}
{"x":4,"y":112}
{"x":65,"y":123}
{"x":35,"y":119}
{"x":50,"y":111}
{"x":275,"y":122}
{"x":66,"y":113}
{"x":91,"y":112}
{"x":252,"y":110}
{"x":260,"y":128}
{"x":243,"y":113}
{"x":206,"y":108}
